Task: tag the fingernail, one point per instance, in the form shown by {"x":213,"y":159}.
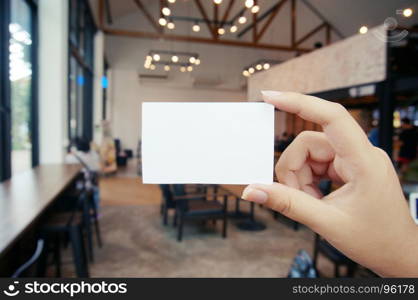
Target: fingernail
{"x":271,"y":94}
{"x":254,"y":195}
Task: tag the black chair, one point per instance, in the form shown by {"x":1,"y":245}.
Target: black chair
{"x":62,"y":227}
{"x":25,"y":267}
{"x":321,"y":246}
{"x":167,"y":203}
{"x":199,"y":207}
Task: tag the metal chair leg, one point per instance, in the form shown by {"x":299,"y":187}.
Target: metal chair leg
{"x":79,"y":253}
{"x":180,"y":229}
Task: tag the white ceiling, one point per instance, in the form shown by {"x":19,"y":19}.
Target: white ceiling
{"x":226,"y":63}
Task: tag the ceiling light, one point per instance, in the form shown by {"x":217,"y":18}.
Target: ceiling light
{"x":221,"y":31}
{"x":156,"y":57}
{"x":242,"y":20}
{"x":197,"y":62}
{"x":174,"y":58}
{"x":196,"y":27}
{"x":172,"y":1}
{"x":192,"y":59}
{"x":249,"y":3}
{"x":217,"y":1}
{"x":255,"y":9}
{"x":245,"y":73}
{"x":182,"y":69}
{"x":233,"y":28}
{"x":166,"y":11}
{"x":189,"y":68}
{"x":166,"y":68}
{"x":259,"y":67}
{"x":407,"y":12}
{"x":162,"y":21}
{"x":251,"y":70}
{"x":147,"y":66}
{"x":148,"y":57}
{"x":171,"y":25}
{"x":266,"y":66}
{"x":152,"y":67}
{"x":363,"y":30}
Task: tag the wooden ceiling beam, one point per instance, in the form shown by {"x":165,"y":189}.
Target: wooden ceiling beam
{"x":309,"y":34}
{"x":205,"y":17}
{"x":145,"y":11}
{"x":227,"y":12}
{"x":273,"y":14}
{"x":101,"y":14}
{"x":215,"y":18}
{"x":255,"y":40}
{"x":293,"y":23}
{"x":181,"y":38}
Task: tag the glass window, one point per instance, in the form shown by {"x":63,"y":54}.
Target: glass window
{"x":81,"y":43}
{"x":20,"y":71}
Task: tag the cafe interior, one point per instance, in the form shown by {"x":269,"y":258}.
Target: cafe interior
{"x":74,"y":75}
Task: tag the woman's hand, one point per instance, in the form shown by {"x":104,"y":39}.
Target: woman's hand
{"x":367,"y":218}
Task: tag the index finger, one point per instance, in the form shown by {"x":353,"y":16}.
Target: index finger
{"x":345,"y":135}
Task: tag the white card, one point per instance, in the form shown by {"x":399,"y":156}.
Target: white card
{"x":207,"y":143}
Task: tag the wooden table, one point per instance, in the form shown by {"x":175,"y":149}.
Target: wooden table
{"x":25,"y":197}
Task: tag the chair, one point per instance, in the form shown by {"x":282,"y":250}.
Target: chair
{"x":60,"y":226}
{"x":321,"y":246}
{"x":40,"y":245}
{"x":198,"y":206}
{"x":167,"y":203}
{"x":70,"y":201}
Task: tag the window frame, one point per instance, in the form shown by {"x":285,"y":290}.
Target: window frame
{"x":84,"y":60}
{"x":5,"y":89}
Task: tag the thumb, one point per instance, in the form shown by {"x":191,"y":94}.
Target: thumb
{"x":292,"y":203}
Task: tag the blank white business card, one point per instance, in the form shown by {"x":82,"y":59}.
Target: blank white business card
{"x":207,"y":143}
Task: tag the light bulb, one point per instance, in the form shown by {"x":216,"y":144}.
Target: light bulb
{"x":255,"y":9}
{"x":182,"y":69}
{"x":174,"y":58}
{"x":172,"y":1}
{"x":156,"y":57}
{"x":197,"y":62}
{"x":146,"y":66}
{"x":251,"y":70}
{"x":266,"y":66}
{"x":259,"y":67}
{"x":166,"y":68}
{"x":217,"y":1}
{"x":166,"y":11}
{"x":245,"y":73}
{"x":162,"y":21}
{"x":407,"y":12}
{"x":242,"y":20}
{"x":152,"y":67}
{"x":189,"y":68}
{"x":196,"y":28}
{"x":249,"y":3}
{"x":221,"y":31}
{"x":192,"y":59}
{"x":233,"y":28}
{"x":148,"y":57}
{"x":363,"y":30}
{"x":170,"y":25}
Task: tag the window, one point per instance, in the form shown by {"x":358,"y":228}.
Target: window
{"x":81,"y":47}
{"x":18,"y":87}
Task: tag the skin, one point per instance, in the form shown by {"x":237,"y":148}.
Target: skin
{"x":367,"y":218}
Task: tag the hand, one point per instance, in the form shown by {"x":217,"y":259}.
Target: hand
{"x":367,"y":218}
